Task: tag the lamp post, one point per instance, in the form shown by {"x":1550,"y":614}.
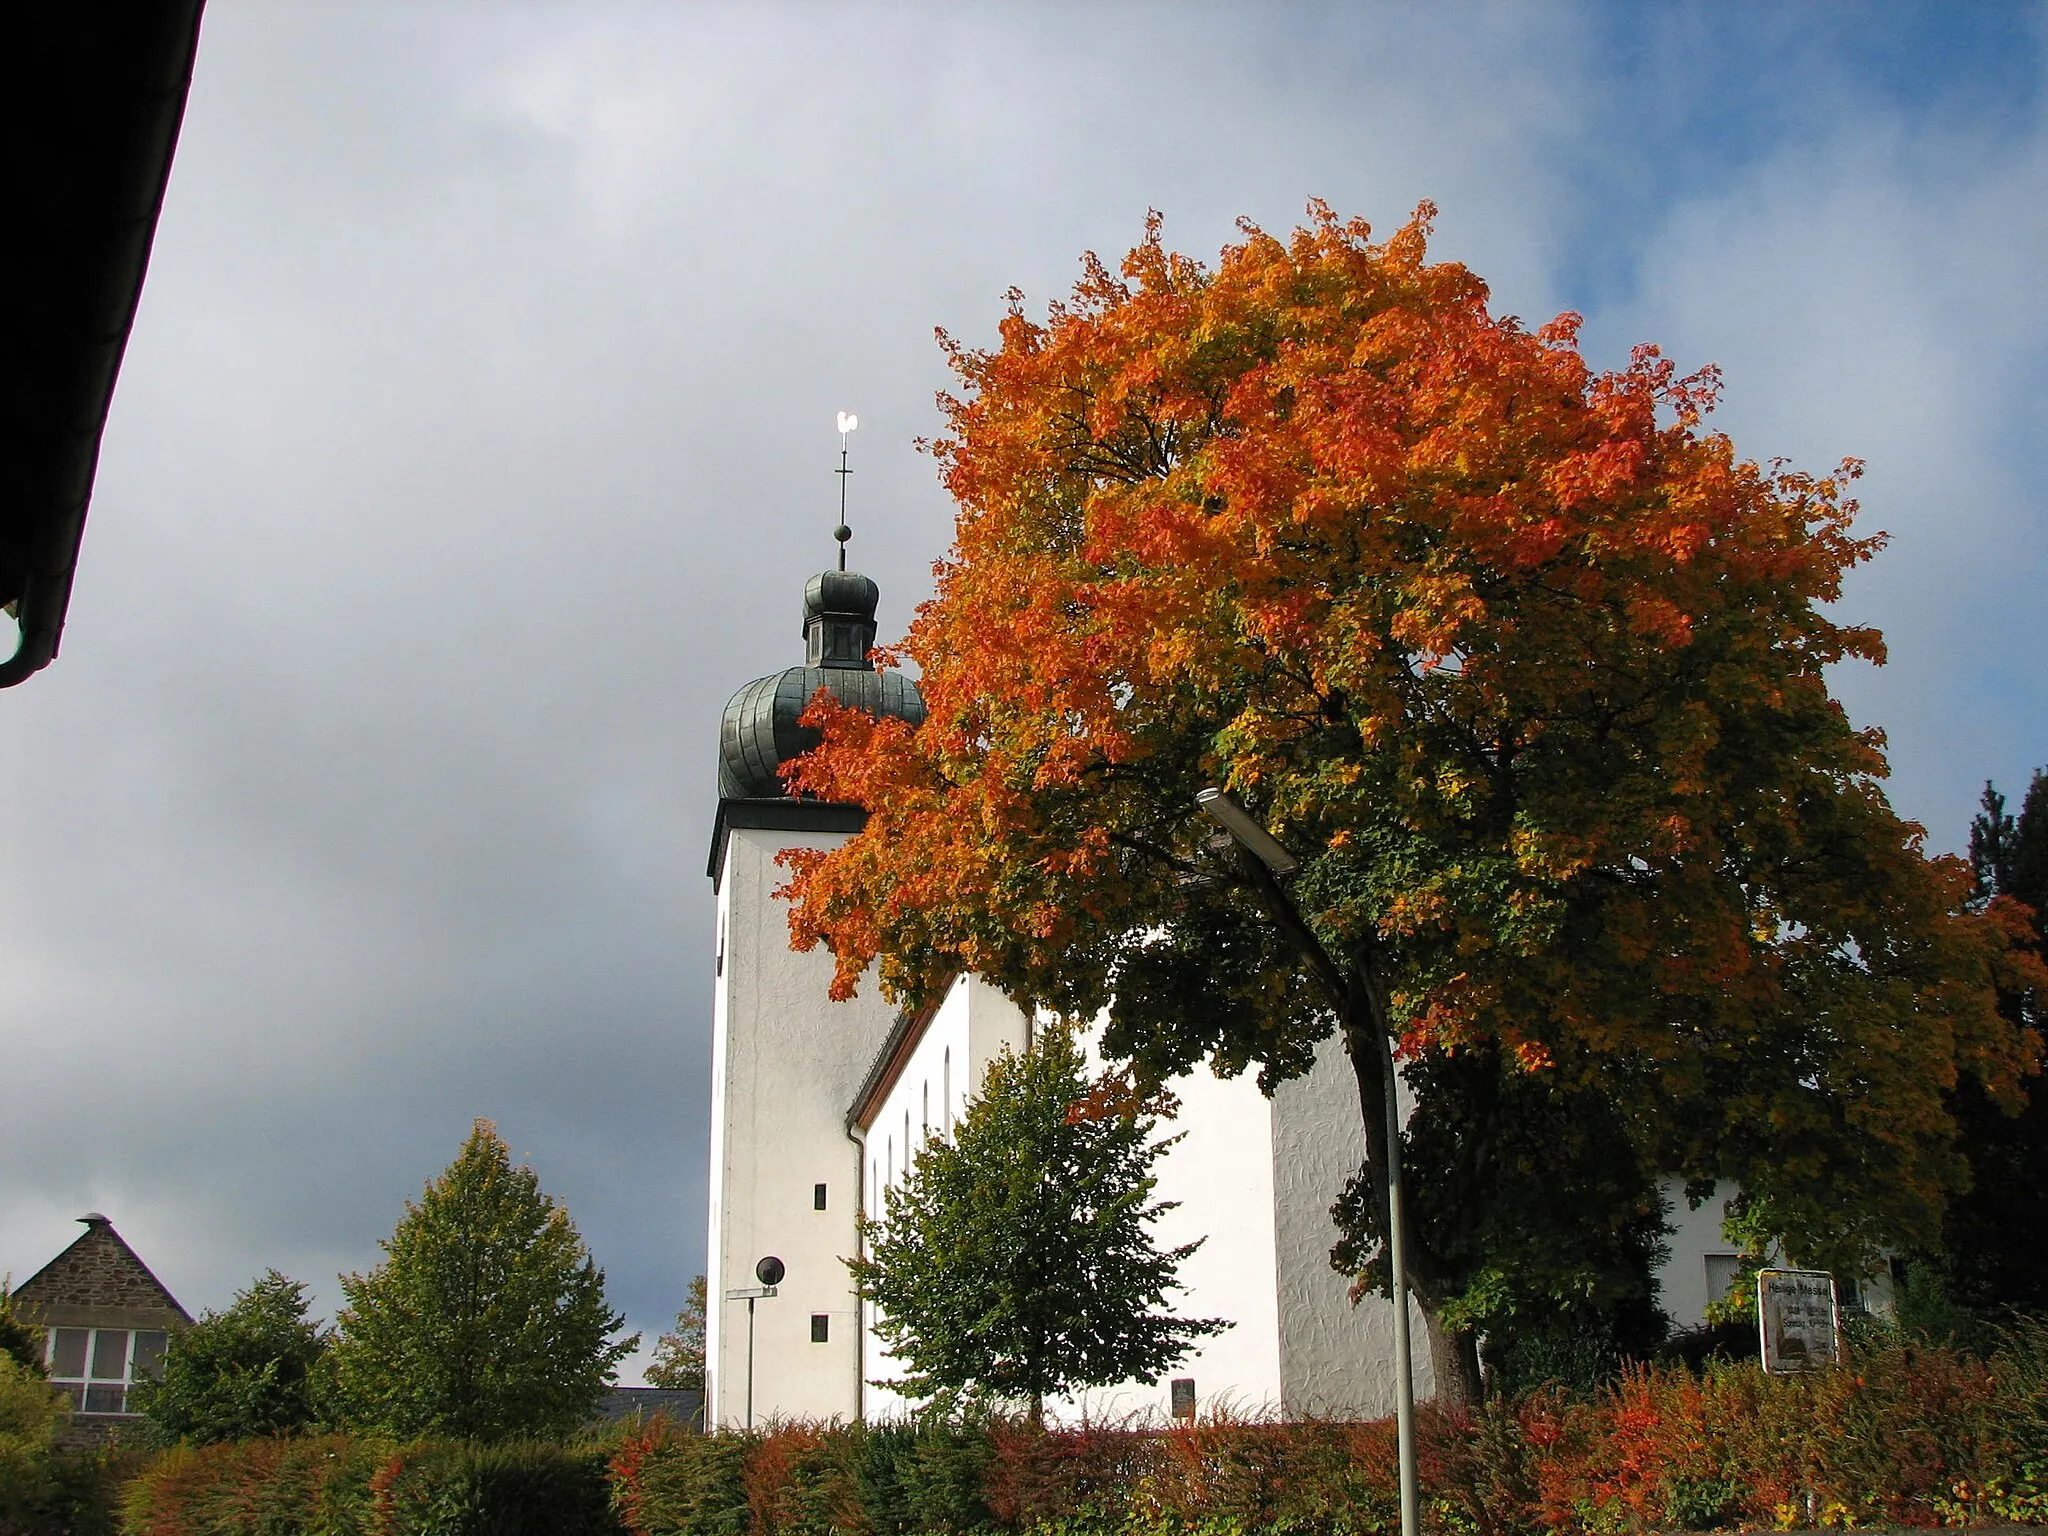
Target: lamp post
{"x":1222,"y":807}
{"x":769,"y":1272}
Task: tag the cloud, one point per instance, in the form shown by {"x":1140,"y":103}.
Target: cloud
{"x":1876,"y":294}
{"x":476,"y":439}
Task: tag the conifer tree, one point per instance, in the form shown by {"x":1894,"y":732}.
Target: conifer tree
{"x":1017,"y":1260}
{"x":1995,"y":1257}
{"x":486,"y":1319}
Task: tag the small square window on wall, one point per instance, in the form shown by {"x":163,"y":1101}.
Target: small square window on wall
{"x":821,"y":1327}
{"x":817,"y":1197}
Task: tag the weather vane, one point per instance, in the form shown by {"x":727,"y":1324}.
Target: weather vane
{"x":847,"y":422}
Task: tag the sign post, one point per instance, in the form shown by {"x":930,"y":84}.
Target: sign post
{"x":769,"y":1272}
{"x":1798,"y":1322}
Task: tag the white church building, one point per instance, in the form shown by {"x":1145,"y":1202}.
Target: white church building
{"x":819,"y":1106}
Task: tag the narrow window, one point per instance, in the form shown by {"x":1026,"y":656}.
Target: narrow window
{"x":719,"y":970}
{"x":946,"y":1090}
{"x":889,"y":1161}
{"x":821,"y":1327}
{"x":925,"y":1113}
{"x":1722,"y":1269}
{"x":817,"y":1197}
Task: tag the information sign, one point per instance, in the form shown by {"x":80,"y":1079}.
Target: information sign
{"x":1797,"y":1319}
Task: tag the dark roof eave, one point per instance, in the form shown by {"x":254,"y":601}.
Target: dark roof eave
{"x":781,"y":814}
{"x":126,"y":68}
{"x":888,"y":1063}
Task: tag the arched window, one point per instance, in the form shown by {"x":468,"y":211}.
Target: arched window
{"x":946,"y":1091}
{"x":925,"y":1113}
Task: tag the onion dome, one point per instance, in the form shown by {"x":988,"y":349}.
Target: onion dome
{"x":760,"y":732}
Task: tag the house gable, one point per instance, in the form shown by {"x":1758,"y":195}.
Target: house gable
{"x":98,"y":1282}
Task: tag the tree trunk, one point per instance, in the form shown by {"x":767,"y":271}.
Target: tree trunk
{"x":1453,"y":1365}
{"x":1453,"y":1359}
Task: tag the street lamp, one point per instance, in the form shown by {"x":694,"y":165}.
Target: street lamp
{"x":769,"y":1272}
{"x":1222,"y":807}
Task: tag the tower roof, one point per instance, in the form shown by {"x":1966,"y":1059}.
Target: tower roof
{"x":760,"y":731}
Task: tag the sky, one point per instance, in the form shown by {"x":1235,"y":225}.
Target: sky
{"x":476,"y":438}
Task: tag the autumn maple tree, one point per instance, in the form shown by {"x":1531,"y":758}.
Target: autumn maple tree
{"x":1526,"y":665}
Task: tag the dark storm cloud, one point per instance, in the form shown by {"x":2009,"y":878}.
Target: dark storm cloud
{"x":475,"y":441}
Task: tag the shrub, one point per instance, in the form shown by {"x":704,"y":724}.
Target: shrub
{"x":258,"y":1368}
{"x":47,"y":1489}
{"x":336,"y":1485}
{"x":666,"y":1483}
{"x":1905,"y":1434}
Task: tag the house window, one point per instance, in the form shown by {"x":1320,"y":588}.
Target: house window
{"x":95,"y":1367}
{"x":817,"y":1197}
{"x":1721,"y":1271}
{"x":925,"y":1114}
{"x":821,"y":1327}
{"x":946,"y":1090}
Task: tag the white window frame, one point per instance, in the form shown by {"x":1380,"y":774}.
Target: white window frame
{"x":79,"y":1388}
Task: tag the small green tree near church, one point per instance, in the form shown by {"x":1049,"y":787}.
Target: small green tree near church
{"x":487,"y":1318}
{"x":1017,"y":1261}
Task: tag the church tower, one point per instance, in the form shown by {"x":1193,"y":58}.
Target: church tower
{"x":786,"y":1060}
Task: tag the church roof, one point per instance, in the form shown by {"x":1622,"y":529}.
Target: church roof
{"x":99,"y":1277}
{"x":760,"y":733}
{"x":887,"y":1066}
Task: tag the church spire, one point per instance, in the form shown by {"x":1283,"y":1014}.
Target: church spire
{"x":847,"y":423}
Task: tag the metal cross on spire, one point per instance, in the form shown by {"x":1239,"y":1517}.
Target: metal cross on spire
{"x":847,"y":422}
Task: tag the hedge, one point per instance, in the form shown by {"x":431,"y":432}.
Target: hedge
{"x":1906,"y":1435}
{"x":334,"y":1485}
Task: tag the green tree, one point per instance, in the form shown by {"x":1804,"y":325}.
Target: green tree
{"x":31,"y":1412}
{"x":1525,"y":664}
{"x":258,"y":1368}
{"x":1541,"y":1198}
{"x":21,"y":1341}
{"x":679,"y":1356}
{"x":486,"y":1319}
{"x":1017,"y":1260}
{"x":1994,"y":1256}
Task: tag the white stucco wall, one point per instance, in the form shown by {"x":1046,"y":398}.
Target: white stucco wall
{"x":1220,"y":1174}
{"x":1695,"y":1237}
{"x":1337,"y":1360}
{"x":786,"y":1062}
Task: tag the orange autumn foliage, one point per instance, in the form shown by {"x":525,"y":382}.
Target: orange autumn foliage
{"x":1523,"y":660}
